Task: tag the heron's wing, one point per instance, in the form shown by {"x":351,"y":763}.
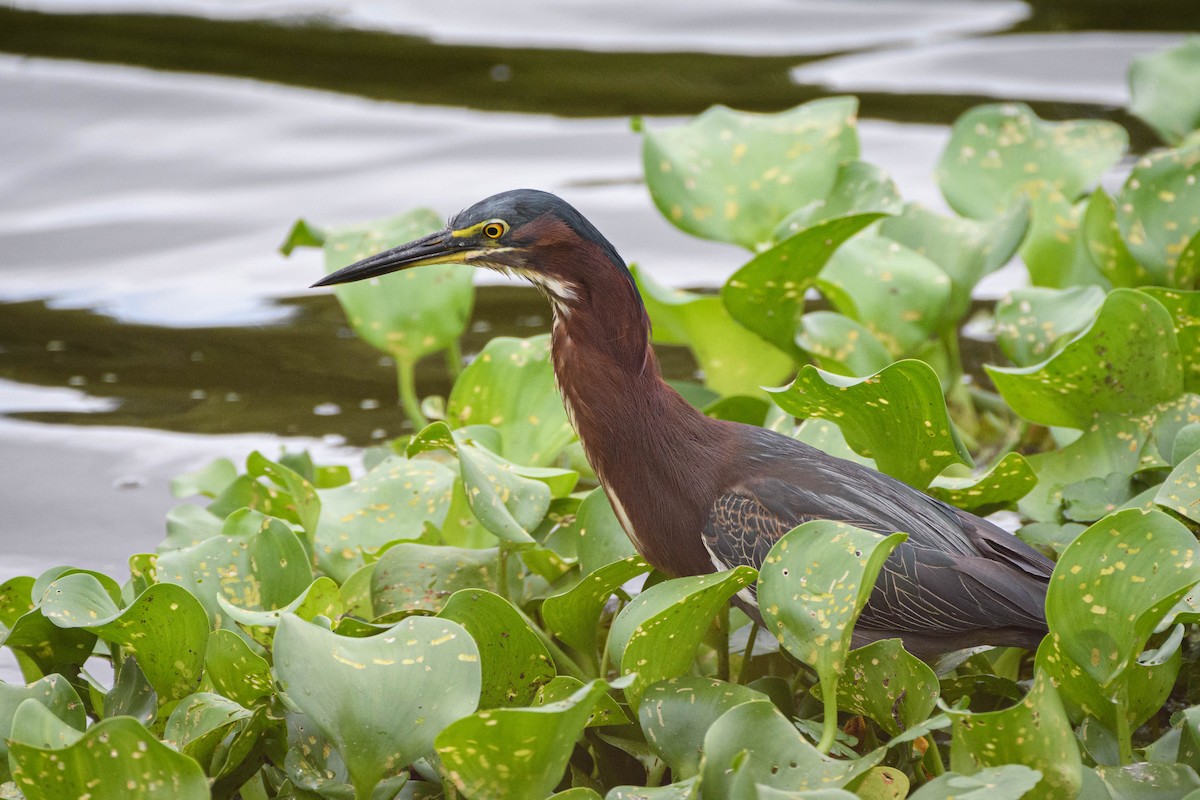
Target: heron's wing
{"x":920,"y":589}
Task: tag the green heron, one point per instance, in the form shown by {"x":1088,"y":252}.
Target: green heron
{"x":697,"y":494}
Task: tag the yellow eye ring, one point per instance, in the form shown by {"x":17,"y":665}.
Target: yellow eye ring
{"x":494,"y":229}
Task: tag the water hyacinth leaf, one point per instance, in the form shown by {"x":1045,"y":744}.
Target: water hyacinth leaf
{"x":676,"y":714}
{"x":859,"y":188}
{"x":683,"y":790}
{"x":766,"y":295}
{"x":41,"y":647}
{"x":320,"y":599}
{"x":734,"y":176}
{"x":965,"y":249}
{"x":752,"y":743}
{"x":606,"y":712}
{"x":510,"y":386}
{"x":1008,"y":480}
{"x":391,"y":502}
{"x":189,"y":524}
{"x":410,"y":577}
{"x":997,"y":150}
{"x":1180,"y":492}
{"x":1145,"y":781}
{"x":657,"y":633}
{"x":1184,"y":307}
{"x":573,"y":615}
{"x":1127,"y":361}
{"x":166,"y":627}
{"x":1007,"y":782}
{"x":1031,"y":321}
{"x":382,"y":700}
{"x":1055,"y":250}
{"x":1114,"y":583}
{"x":1035,"y":733}
{"x":1158,"y":208}
{"x":733,"y":359}
{"x":898,"y":294}
{"x":814,"y":583}
{"x":259,"y":563}
{"x":513,"y":660}
{"x":601,"y":539}
{"x":112,"y":760}
{"x":1166,"y":90}
{"x":517,"y":753}
{"x":578,"y":793}
{"x":1186,"y":274}
{"x":841,"y":345}
{"x":131,"y":694}
{"x":209,"y":481}
{"x":889,"y":685}
{"x":235,"y":670}
{"x":199,"y":723}
{"x":306,"y":505}
{"x":53,"y":692}
{"x":897,"y":417}
{"x":1102,"y":236}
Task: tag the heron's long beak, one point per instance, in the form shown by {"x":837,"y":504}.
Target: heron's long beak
{"x":436,"y":248}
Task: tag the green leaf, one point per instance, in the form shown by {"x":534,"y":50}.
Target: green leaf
{"x":166,"y":627}
{"x":1180,"y":492}
{"x":676,"y":714}
{"x":305,"y":503}
{"x":513,"y":660}
{"x":1126,"y":361}
{"x":998,"y":150}
{"x":380,"y":701}
{"x":517,"y":753}
{"x":1166,"y":90}
{"x":1184,"y":307}
{"x":259,"y":563}
{"x":53,"y":692}
{"x":1008,"y":782}
{"x":320,"y":599}
{"x":199,"y":723}
{"x":606,"y":712}
{"x":841,"y":345}
{"x":899,"y":295}
{"x":657,"y":633}
{"x":1008,"y":480}
{"x":115,"y":759}
{"x":966,"y":250}
{"x":734,"y":360}
{"x":1112,"y":586}
{"x":1032,"y":321}
{"x":735,"y":176}
{"x":407,"y":314}
{"x":683,"y":790}
{"x":859,"y":188}
{"x":210,"y":480}
{"x":601,"y":539}
{"x":392,"y":502}
{"x":131,"y":694}
{"x":236,"y":671}
{"x":766,"y":295}
{"x":573,"y":615}
{"x":38,"y":643}
{"x":409,"y":577}
{"x":1150,"y":781}
{"x":302,"y":234}
{"x":1102,"y":236}
{"x":813,"y":585}
{"x":897,"y":417}
{"x":753,"y":743}
{"x":1158,"y":210}
{"x":889,"y":685}
{"x":1035,"y":733}
{"x":510,"y":386}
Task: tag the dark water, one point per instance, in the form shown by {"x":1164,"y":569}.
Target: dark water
{"x":156,"y":152}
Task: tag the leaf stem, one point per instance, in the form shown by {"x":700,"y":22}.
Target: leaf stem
{"x":654,"y":774}
{"x":723,"y":643}
{"x":830,"y":723}
{"x":933,"y":756}
{"x":1124,"y":734}
{"x":744,"y":669}
{"x":406,"y":380}
{"x":561,"y":660}
{"x":502,"y":570}
{"x":453,"y":358}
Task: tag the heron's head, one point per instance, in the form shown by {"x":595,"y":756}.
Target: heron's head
{"x":523,"y":232}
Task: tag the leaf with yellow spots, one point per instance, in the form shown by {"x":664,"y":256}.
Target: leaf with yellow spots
{"x":516,"y":753}
{"x":166,"y":627}
{"x":574,"y":615}
{"x":1126,"y":361}
{"x":1006,"y":482}
{"x":1158,"y":212}
{"x":1035,"y":733}
{"x":841,"y":345}
{"x":767,"y":294}
{"x":1165,"y":86}
{"x":897,"y":417}
{"x":1184,"y":307}
{"x":40,"y":646}
{"x":888,"y":684}
{"x":812,"y":586}
{"x":1102,"y":237}
{"x":1180,"y":492}
{"x":113,"y":759}
{"x":1033,"y":321}
{"x":52,"y":691}
{"x":380,"y":701}
{"x":656,"y":635}
{"x":510,"y":386}
{"x":735,"y":176}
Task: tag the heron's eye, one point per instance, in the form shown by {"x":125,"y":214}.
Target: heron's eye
{"x":495,"y":229}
